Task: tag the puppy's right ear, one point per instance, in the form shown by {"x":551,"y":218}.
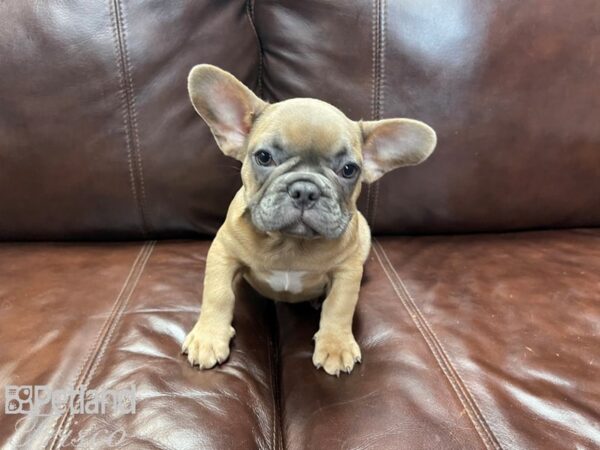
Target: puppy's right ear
{"x":226,"y":105}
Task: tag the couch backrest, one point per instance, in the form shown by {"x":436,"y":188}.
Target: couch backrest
{"x":98,"y":138}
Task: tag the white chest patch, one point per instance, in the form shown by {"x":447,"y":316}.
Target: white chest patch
{"x":280,"y":280}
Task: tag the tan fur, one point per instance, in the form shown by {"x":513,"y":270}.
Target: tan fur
{"x":331,"y":267}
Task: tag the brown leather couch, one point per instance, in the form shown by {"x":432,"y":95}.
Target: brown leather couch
{"x":479,"y":316}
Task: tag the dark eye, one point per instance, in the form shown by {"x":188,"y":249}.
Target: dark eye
{"x":349,"y":170}
{"x":263,"y":158}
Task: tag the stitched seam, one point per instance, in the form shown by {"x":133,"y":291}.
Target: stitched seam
{"x":382,"y":43}
{"x":461,"y":383}
{"x":134,"y":121}
{"x":378,"y":39}
{"x":132,"y":286}
{"x":95,"y":348}
{"x":374,"y":52}
{"x":259,"y":75}
{"x":121,"y":303}
{"x":438,"y":352}
{"x":381,"y":87}
{"x":374,"y":16}
{"x":123,"y":98}
{"x":433,"y":351}
{"x":129,"y":109}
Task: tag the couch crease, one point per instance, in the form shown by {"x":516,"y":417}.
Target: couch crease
{"x":96,"y":351}
{"x":437,"y":350}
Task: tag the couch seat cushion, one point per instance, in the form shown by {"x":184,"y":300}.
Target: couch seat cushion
{"x":481,"y":341}
{"x":108,"y":316}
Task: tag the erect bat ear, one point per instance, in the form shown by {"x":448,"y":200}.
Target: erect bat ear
{"x":226,"y":105}
{"x":392,"y":143}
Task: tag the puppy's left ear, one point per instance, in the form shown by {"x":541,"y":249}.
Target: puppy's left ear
{"x":226,"y":105}
{"x":392,"y":143}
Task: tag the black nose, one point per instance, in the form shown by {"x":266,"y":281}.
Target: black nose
{"x":304,"y":194}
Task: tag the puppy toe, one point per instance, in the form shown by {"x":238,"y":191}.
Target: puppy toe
{"x":347,"y":361}
{"x":186,"y":344}
{"x":206,"y":358}
{"x":206,"y":348}
{"x":335,"y":352}
{"x":319,"y":358}
{"x":191,"y":357}
{"x":333,"y":366}
{"x":221,"y":352}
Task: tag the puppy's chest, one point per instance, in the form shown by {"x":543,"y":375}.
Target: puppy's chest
{"x":288,"y":285}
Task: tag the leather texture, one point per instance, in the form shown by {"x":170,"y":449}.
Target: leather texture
{"x":477,"y":341}
{"x":469,"y":341}
{"x":513,"y":319}
{"x":111,"y":315}
{"x":99,"y":138}
{"x":508,"y":87}
{"x":485,"y":341}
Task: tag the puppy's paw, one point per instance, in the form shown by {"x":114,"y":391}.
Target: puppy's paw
{"x":335,"y":352}
{"x":207,"y":347}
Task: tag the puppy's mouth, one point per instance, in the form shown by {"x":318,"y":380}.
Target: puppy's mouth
{"x":300,"y":205}
{"x":300,"y":229}
{"x":306,"y":224}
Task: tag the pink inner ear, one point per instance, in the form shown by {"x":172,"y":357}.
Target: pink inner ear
{"x":388,"y":143}
{"x":385,"y":142}
{"x":379,"y":150}
{"x":231,"y":111}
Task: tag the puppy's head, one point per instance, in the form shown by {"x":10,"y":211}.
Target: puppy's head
{"x":302,"y":160}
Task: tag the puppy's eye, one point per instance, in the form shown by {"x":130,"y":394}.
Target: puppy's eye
{"x":349,"y":170}
{"x":263,"y":158}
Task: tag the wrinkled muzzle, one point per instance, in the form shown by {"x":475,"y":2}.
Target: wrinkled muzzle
{"x":303,"y":204}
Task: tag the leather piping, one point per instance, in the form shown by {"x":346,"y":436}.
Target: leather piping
{"x":437,"y":350}
{"x":378,"y":38}
{"x":259,"y":75}
{"x":96,"y":351}
{"x":128,"y":107}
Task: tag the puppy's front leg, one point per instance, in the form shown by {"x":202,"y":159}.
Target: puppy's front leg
{"x":208,"y":342}
{"x":336,"y":349}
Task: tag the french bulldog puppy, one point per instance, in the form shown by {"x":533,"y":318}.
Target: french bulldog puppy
{"x":293,"y":231}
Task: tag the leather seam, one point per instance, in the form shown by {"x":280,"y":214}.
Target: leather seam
{"x":277,"y":433}
{"x":134,"y":119}
{"x":88,"y":357}
{"x":373,"y":84}
{"x":378,"y":20}
{"x":259,"y":82}
{"x":122,"y":95}
{"x":374,"y":51}
{"x":115,"y":324}
{"x":380,"y":93}
{"x":129,"y":110}
{"x":103,"y":338}
{"x":273,"y":395}
{"x":92,"y":350}
{"x":438,"y":352}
